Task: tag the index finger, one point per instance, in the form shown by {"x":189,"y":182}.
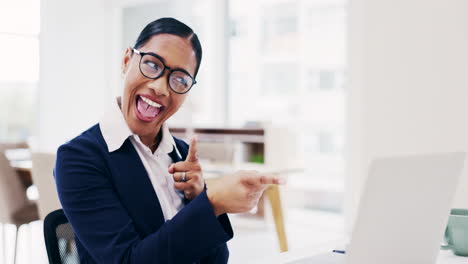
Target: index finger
{"x":192,"y":152}
{"x":261,"y":179}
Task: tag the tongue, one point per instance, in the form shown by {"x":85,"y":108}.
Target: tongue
{"x":147,"y":110}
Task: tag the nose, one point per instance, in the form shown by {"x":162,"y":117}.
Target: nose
{"x":160,"y":86}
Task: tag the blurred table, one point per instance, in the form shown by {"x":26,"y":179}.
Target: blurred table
{"x":20,"y":160}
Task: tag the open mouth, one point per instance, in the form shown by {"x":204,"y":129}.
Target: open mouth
{"x":146,"y":109}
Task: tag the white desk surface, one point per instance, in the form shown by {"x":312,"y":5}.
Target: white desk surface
{"x":445,"y":257}
{"x":214,"y":170}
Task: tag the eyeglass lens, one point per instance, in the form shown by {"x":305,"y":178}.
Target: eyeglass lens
{"x":153,"y":68}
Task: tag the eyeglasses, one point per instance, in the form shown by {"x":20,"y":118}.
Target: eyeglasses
{"x":152,"y":67}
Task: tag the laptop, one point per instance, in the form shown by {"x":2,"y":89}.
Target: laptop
{"x":403,"y":211}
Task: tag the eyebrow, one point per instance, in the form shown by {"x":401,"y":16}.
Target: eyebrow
{"x":163,"y":61}
{"x":155,"y":55}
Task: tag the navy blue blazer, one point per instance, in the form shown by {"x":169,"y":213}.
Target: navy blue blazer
{"x":115,"y":213}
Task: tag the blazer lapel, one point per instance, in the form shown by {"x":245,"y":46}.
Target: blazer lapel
{"x":135,"y":189}
{"x":174,"y":156}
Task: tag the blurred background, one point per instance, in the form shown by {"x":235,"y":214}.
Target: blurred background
{"x":309,"y":89}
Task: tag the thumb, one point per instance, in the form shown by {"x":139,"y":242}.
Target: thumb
{"x":192,"y":152}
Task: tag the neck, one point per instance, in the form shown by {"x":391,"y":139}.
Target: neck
{"x":152,"y":142}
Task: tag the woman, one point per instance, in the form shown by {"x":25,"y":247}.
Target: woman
{"x":131,"y":191}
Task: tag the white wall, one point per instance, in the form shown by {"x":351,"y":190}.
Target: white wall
{"x":74,"y":69}
{"x":408,"y":84}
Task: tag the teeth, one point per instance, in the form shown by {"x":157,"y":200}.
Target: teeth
{"x":148,"y":101}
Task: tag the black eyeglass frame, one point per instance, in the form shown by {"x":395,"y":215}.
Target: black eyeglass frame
{"x":163,"y":71}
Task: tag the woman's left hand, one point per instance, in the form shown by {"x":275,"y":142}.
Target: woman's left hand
{"x":194,"y":182}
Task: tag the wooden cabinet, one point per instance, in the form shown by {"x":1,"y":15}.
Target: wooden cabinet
{"x":227,"y":145}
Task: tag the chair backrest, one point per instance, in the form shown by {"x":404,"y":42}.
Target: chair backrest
{"x":42,"y":174}
{"x":60,"y":239}
{"x":12,"y":193}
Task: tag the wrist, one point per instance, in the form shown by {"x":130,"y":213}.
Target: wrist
{"x":217,"y":209}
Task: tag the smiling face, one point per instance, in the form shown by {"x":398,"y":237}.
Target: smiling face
{"x":146,"y":103}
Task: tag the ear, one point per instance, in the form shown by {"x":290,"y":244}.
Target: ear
{"x":126,"y":60}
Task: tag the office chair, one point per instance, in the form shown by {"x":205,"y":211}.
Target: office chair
{"x":15,"y":207}
{"x":60,"y":239}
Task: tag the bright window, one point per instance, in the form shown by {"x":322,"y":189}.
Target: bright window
{"x":19,"y":67}
{"x":287,"y":66}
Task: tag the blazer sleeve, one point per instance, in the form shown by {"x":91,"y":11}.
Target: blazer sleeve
{"x":102,"y":224}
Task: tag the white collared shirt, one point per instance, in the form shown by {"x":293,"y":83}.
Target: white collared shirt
{"x":115,"y":131}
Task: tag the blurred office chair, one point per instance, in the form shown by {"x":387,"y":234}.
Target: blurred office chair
{"x":42,"y":174}
{"x":15,"y":208}
{"x":60,"y":239}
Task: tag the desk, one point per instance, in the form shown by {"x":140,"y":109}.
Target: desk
{"x":445,"y":257}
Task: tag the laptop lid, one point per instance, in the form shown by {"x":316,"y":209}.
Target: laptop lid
{"x":404,"y":209}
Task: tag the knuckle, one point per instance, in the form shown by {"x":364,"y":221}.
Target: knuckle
{"x":196,"y":176}
{"x":244,"y":176}
{"x":176,"y":167}
{"x":246,"y":195}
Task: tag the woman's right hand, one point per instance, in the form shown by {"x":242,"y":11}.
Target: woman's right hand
{"x":239,"y":192}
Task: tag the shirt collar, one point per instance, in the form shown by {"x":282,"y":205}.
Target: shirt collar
{"x":115,"y":131}
{"x":167,"y":143}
